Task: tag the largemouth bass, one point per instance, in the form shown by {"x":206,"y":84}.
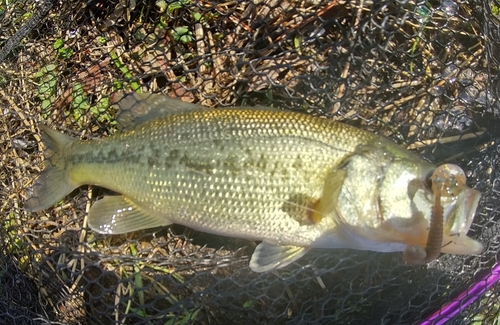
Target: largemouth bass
{"x":290,"y":180}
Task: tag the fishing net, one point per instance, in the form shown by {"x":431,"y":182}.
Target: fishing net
{"x":423,"y":73}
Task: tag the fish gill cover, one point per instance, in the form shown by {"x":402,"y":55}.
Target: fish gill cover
{"x":423,"y":73}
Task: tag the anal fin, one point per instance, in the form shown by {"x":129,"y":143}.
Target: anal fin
{"x":267,"y":256}
{"x":118,"y":215}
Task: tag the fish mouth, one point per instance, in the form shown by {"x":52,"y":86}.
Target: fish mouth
{"x":460,"y":214}
{"x":459,"y":217}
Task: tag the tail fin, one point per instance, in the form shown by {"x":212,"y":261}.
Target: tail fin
{"x":53,"y":183}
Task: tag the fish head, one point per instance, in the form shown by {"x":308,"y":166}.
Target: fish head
{"x":388,"y":197}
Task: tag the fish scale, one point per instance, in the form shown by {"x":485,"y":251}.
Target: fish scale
{"x":246,"y":134}
{"x":292,"y":180}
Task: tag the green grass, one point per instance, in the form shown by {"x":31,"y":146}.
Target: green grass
{"x":136,"y":285}
{"x":490,"y":306}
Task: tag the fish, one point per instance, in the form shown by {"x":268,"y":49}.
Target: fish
{"x":290,"y":180}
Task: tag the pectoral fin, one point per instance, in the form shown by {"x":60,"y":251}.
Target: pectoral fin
{"x":267,"y":256}
{"x":118,"y":215}
{"x":329,"y":198}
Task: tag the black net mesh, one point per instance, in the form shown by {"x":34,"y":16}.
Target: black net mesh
{"x":423,"y":73}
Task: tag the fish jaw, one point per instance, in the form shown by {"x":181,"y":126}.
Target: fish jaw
{"x":458,"y":222}
{"x":458,"y":215}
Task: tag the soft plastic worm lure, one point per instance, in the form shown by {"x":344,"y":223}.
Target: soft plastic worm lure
{"x":448,"y":181}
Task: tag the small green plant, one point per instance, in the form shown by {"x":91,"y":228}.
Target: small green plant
{"x":26,"y":16}
{"x":297,"y":42}
{"x":15,"y":243}
{"x":197,"y":16}
{"x":63,"y":52}
{"x":101,"y":111}
{"x":3,"y":80}
{"x":101,"y":40}
{"x":136,"y":284}
{"x":47,"y":83}
{"x":125,"y":71}
{"x":174,"y":5}
{"x":495,"y":9}
{"x":490,"y":308}
{"x":182,"y":34}
{"x":79,"y":103}
{"x":136,"y":279}
{"x":188,"y":317}
{"x":248,"y":304}
{"x":137,"y":276}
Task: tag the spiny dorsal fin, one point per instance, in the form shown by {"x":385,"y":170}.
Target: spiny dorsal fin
{"x":136,"y":108}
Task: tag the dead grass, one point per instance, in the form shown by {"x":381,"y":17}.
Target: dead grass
{"x":216,"y":54}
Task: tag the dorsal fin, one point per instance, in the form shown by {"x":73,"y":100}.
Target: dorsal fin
{"x":136,"y":108}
